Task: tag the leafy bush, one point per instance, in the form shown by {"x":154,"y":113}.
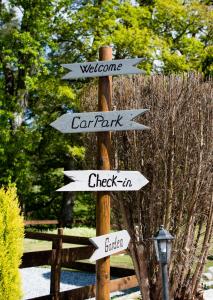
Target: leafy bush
{"x":84,"y":210}
{"x":11,"y":244}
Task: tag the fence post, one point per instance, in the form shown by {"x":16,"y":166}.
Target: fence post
{"x":56,"y":266}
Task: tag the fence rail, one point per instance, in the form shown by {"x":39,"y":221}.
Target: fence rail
{"x":65,"y":238}
{"x":40,"y":222}
{"x":89,"y":290}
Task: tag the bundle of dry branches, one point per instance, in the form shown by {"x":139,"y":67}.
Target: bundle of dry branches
{"x":175,"y":156}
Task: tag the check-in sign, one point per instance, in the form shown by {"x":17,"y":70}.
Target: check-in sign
{"x":103,"y":68}
{"x":117,"y":120}
{"x":100,"y":180}
{"x":109,"y":244}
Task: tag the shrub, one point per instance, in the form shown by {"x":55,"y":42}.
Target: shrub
{"x":175,"y":156}
{"x":11,"y":244}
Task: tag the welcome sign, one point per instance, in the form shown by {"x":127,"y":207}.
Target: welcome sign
{"x":103,"y":68}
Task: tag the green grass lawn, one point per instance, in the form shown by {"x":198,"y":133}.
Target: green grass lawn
{"x":122,"y":260}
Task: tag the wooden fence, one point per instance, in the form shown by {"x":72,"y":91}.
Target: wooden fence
{"x":69,"y":258}
{"x":41,"y":222}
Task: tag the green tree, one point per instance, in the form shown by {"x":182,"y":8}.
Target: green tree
{"x":173,"y":36}
{"x":31,"y":97}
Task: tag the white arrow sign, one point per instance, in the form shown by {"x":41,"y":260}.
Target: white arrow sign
{"x":101,"y":180}
{"x":99,"y":121}
{"x":103,"y":68}
{"x":109,"y":244}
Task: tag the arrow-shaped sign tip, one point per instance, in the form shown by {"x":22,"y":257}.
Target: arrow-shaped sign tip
{"x":65,"y":66}
{"x":53,"y":124}
{"x":143,"y":181}
{"x":60,"y":190}
{"x":68,"y":75}
{"x":138,"y":60}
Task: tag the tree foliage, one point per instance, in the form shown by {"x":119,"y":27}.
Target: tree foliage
{"x":31,"y":97}
{"x":173,"y":36}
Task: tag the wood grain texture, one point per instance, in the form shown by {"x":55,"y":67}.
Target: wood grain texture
{"x":103,"y":198}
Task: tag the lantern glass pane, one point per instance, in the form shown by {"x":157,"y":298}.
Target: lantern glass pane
{"x":163,"y":246}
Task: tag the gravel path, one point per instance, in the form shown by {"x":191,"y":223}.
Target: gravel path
{"x":208,"y":294}
{"x":36,"y":281}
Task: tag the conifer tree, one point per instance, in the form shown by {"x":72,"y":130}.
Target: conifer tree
{"x":11,"y":244}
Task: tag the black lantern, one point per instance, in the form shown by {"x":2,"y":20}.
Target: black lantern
{"x":162,"y":241}
{"x":163,"y":244}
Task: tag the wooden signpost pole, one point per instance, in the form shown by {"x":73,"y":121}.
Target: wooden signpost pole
{"x":103,"y":180}
{"x":103,"y":198}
